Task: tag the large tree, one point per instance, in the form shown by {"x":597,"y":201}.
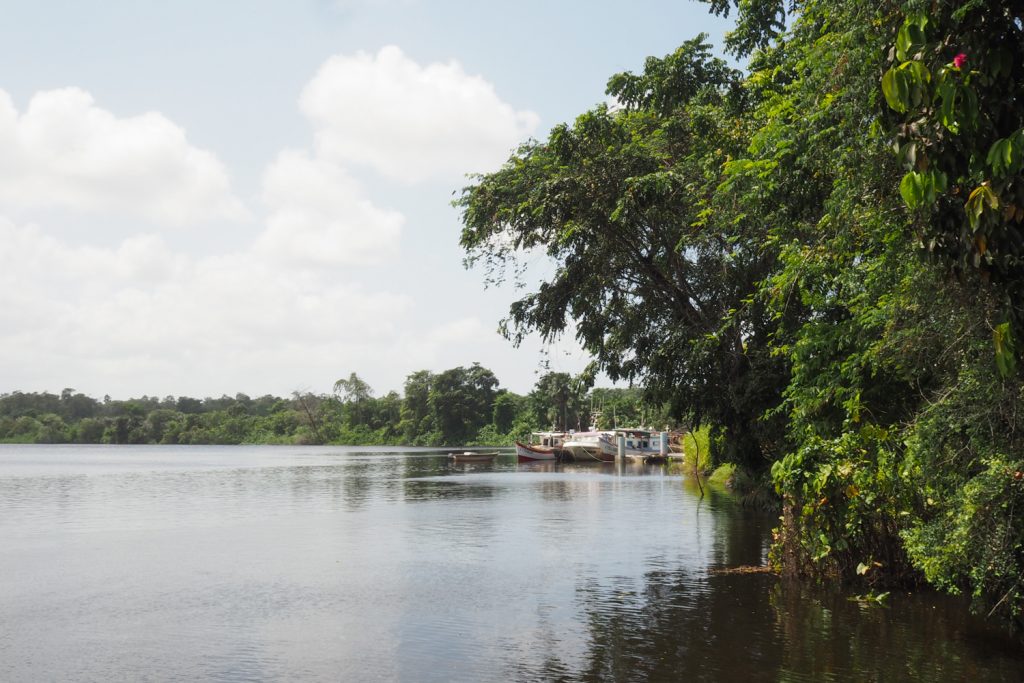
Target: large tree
{"x":462,"y":402}
{"x":417,"y":417}
{"x":823,"y":258}
{"x":356,"y":396}
{"x":902,"y":125}
{"x":659,"y":290}
{"x":558,"y":402}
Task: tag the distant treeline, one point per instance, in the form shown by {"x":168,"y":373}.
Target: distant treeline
{"x":463,"y":405}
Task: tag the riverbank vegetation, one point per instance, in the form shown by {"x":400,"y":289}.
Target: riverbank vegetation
{"x":820,"y":256}
{"x":460,"y":406}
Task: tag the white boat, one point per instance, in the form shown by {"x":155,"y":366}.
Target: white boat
{"x":604,"y":446}
{"x":589,"y":446}
{"x":639,"y":443}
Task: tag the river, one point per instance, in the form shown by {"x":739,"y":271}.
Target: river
{"x":359,"y":564}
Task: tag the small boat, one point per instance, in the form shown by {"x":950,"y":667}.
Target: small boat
{"x":473,"y":456}
{"x":542,"y":446}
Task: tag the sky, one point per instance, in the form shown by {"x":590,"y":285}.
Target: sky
{"x":204,"y":198}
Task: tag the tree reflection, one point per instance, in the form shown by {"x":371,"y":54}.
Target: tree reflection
{"x":698,"y":623}
{"x":432,"y":477}
{"x":920,"y":637}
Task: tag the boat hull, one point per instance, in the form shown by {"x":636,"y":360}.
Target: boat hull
{"x":588,"y":451}
{"x":472,"y":457}
{"x":526,"y":453}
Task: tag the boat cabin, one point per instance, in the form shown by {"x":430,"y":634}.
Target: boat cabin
{"x":641,"y":440}
{"x":548,"y":439}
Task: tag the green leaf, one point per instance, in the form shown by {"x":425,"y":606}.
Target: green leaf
{"x":981,"y":197}
{"x":908,"y":154}
{"x":947,"y":95}
{"x":892,"y":92}
{"x":1006,"y":357}
{"x":920,"y":20}
{"x":1015,"y":157}
{"x":910,"y":37}
{"x":997,"y":154}
{"x":906,"y":85}
{"x":918,"y":72}
{"x":903,"y":43}
{"x":911,"y":190}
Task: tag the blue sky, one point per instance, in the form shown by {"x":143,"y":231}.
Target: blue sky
{"x":199,"y":198}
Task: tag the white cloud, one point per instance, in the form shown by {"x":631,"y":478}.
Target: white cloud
{"x":110,"y":320}
{"x":65,"y":151}
{"x":410,"y":122}
{"x":464,"y":329}
{"x":446,"y":343}
{"x":273,"y":315}
{"x":142,"y":317}
{"x":320,"y":215}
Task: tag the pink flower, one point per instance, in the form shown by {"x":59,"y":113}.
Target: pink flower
{"x":960,"y":60}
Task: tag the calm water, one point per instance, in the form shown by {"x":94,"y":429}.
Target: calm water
{"x":343,"y":564}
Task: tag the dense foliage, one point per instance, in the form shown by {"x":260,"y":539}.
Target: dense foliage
{"x":622,"y":201}
{"x":460,"y":406}
{"x":820,"y":257}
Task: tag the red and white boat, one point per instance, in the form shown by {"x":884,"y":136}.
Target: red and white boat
{"x":543,"y":446}
{"x":530,"y":453}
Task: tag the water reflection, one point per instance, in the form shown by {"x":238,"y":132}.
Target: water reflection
{"x":360,"y":564}
{"x":683,"y":625}
{"x":921,"y":637}
{"x":358,"y":482}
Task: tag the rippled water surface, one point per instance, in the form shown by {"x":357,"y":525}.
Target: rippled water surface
{"x":344,"y":564}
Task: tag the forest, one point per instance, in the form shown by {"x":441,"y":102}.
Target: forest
{"x":820,"y":257}
{"x":456,"y":407}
